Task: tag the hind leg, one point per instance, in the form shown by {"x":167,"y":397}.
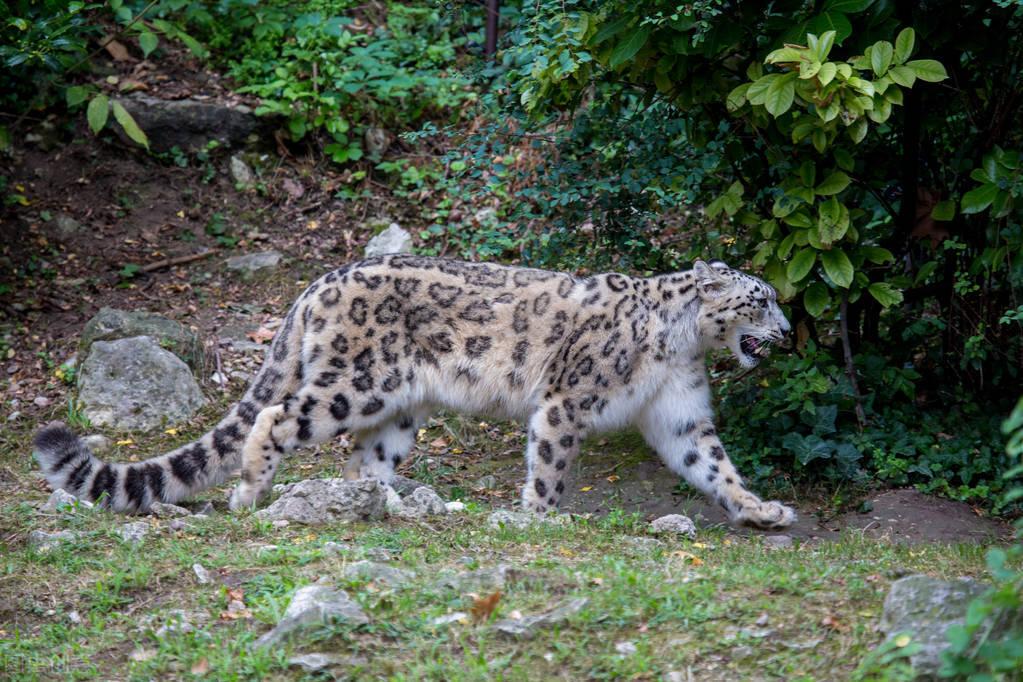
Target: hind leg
{"x":307,"y":419}
{"x":378,"y":451}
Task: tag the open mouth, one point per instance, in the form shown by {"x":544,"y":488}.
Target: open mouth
{"x":754,"y":347}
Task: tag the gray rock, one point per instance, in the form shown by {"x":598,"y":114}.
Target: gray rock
{"x":96,"y":443}
{"x":480,"y":580}
{"x":626,"y":648}
{"x":41,"y":541}
{"x":110,"y":324}
{"x":162,"y":510}
{"x":449,"y":618}
{"x":41,"y":401}
{"x":374,"y":572}
{"x":777,"y":541}
{"x":172,"y":621}
{"x":241,"y":173}
{"x":135,"y":385}
{"x":377,"y":141}
{"x":315,"y":662}
{"x":454,"y":506}
{"x":14,"y":416}
{"x":488,"y":482}
{"x":61,"y":500}
{"x":134,"y":532}
{"x":924,"y":608}
{"x":331,"y":547}
{"x":202,"y":576}
{"x":528,"y":626}
{"x":253,"y":264}
{"x":190,"y":124}
{"x":66,"y":225}
{"x":311,"y":606}
{"x":329,"y":500}
{"x":643,"y":545}
{"x":394,"y":504}
{"x":394,"y":239}
{"x":405,"y":486}
{"x":377,"y":554}
{"x":423,"y":501}
{"x":520,"y":520}
{"x":673,"y":524}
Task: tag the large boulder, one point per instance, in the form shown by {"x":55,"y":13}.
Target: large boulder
{"x":189,"y":124}
{"x":329,"y":500}
{"x":110,"y":323}
{"x":135,"y":385}
{"x":924,"y":608}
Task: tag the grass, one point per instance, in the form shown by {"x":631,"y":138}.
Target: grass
{"x":724,"y":607}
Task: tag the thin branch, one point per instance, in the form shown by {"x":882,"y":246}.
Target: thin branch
{"x":850,"y":368}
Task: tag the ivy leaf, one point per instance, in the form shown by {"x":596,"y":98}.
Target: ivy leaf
{"x":627,"y":49}
{"x":801,"y":264}
{"x":858,"y":130}
{"x":904,"y":45}
{"x":824,"y":45}
{"x":148,"y":42}
{"x":757,"y":92}
{"x":833,"y":221}
{"x":979,"y":198}
{"x":877,"y":255}
{"x":944,"y":210}
{"x":128,"y":123}
{"x":816,"y":299}
{"x":929,"y":70}
{"x":885,"y":294}
{"x":98,"y":111}
{"x":780,"y":94}
{"x":737,"y":97}
{"x":75,"y":95}
{"x":838,"y":266}
{"x":844,"y":159}
{"x":881,"y":57}
{"x":833,"y":184}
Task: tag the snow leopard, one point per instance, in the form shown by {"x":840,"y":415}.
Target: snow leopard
{"x":376,"y":347}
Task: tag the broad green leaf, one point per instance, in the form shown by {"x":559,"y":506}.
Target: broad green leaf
{"x":944,"y":210}
{"x":1002,"y":205}
{"x":801,"y":264}
{"x":929,"y":70}
{"x":824,"y":45}
{"x":808,"y":70}
{"x":862,"y":86}
{"x":844,"y":159}
{"x":808,"y":173}
{"x":844,"y":70}
{"x":926,"y":270}
{"x":816,"y":299}
{"x":786,"y":246}
{"x":774,"y":272}
{"x":979,"y":198}
{"x":838,"y":266}
{"x":885,"y":294}
{"x":627,"y":49}
{"x":798,"y":219}
{"x":784,"y":55}
{"x":819,"y":140}
{"x":757,"y":92}
{"x":780,"y":94}
{"x":827,"y":73}
{"x":75,"y":95}
{"x":848,"y":6}
{"x":881,"y":111}
{"x":881,"y":57}
{"x":97,"y":112}
{"x":904,"y":45}
{"x":737,"y":97}
{"x":612,"y":29}
{"x":893,"y":95}
{"x":801,"y":130}
{"x":148,"y":42}
{"x":131,"y":128}
{"x":876,"y":254}
{"x":833,"y":221}
{"x":858,"y":131}
{"x":902,"y":75}
{"x":833,"y":184}
{"x":827,"y":22}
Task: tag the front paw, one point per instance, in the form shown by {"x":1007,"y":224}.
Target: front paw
{"x":243,"y":497}
{"x":770,"y":516}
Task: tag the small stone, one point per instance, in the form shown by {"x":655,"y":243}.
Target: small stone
{"x":626,"y":648}
{"x":14,"y":416}
{"x":777,"y":541}
{"x":41,"y":541}
{"x":134,"y":532}
{"x":201,"y":574}
{"x":455,"y":506}
{"x":66,"y":225}
{"x":142,"y":654}
{"x":674,"y":676}
{"x":423,"y":501}
{"x":97,"y":443}
{"x":205,"y":510}
{"x":375,"y":572}
{"x":377,"y":554}
{"x":315,"y":662}
{"x":673,"y":524}
{"x":41,"y":401}
{"x":448,"y":619}
{"x":528,"y":626}
{"x":163,"y":510}
{"x":331,"y":547}
{"x":328,"y":501}
{"x":394,"y":239}
{"x":520,"y":520}
{"x":241,"y":173}
{"x":254,"y":263}
{"x":311,"y":606}
{"x":61,"y":500}
{"x":177,"y":525}
{"x":75,"y":617}
{"x":488,"y":482}
{"x":281,"y":523}
{"x":481,"y":580}
{"x":643,"y":545}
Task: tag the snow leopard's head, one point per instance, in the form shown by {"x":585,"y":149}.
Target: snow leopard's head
{"x":738,"y":311}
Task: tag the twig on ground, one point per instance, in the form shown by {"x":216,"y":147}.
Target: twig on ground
{"x":170,"y":262}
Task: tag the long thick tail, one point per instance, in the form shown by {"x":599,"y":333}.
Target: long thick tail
{"x":133,"y":487}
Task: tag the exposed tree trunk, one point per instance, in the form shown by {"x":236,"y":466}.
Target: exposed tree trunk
{"x":850,"y":368}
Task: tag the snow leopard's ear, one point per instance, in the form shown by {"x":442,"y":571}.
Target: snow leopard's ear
{"x":709,"y":281}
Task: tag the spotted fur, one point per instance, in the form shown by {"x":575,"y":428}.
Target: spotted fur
{"x":375,"y":347}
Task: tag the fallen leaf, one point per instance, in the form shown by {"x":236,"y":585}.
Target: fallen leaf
{"x":612,"y":478}
{"x":261,"y":335}
{"x":171,"y":432}
{"x":141,"y":655}
{"x":483,"y":608}
{"x":201,"y":667}
{"x":118,"y":51}
{"x":438,"y":443}
{"x":688,"y":556}
{"x":903,"y":640}
{"x":829,"y":621}
{"x":586,"y":488}
{"x":127,"y":441}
